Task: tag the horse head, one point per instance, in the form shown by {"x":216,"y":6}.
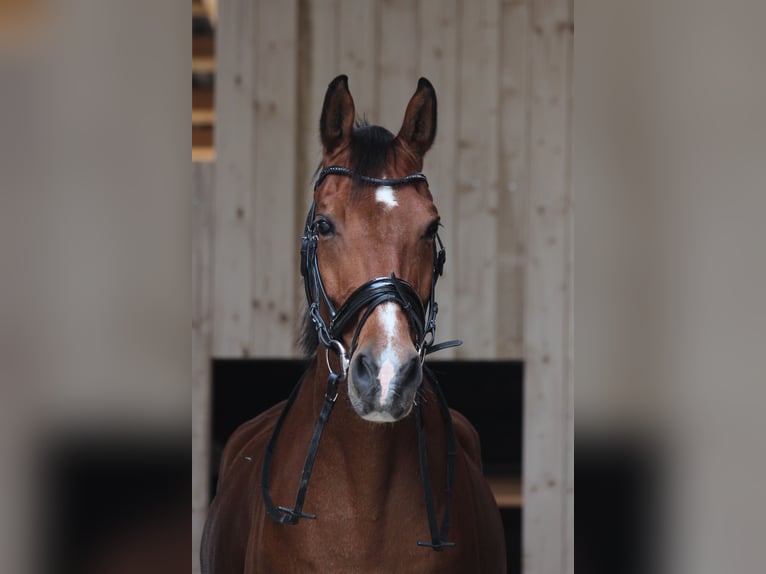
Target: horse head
{"x":375,"y":225}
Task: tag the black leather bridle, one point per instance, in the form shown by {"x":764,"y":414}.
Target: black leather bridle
{"x":364,"y":300}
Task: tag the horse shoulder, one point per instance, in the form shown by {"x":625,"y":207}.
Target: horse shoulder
{"x":488,"y":531}
{"x":467,"y":437}
{"x":227,"y":528}
{"x":247,"y":435}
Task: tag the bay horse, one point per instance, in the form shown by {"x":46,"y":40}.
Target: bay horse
{"x":397,"y":484}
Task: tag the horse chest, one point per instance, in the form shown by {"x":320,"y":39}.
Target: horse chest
{"x":361,"y":538}
{"x":382,"y":549}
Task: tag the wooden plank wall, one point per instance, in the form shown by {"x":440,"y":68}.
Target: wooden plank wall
{"x":499,"y":172}
{"x":275,"y":60}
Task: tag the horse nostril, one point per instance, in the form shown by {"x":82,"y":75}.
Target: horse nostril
{"x":364,"y":374}
{"x":411,"y":373}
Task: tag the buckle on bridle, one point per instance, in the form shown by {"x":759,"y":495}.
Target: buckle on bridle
{"x":338,"y":347}
{"x":426,"y":342}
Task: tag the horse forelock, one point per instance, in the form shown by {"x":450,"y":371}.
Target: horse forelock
{"x":371,"y":150}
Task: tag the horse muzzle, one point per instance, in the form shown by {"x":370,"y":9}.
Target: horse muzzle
{"x":382,"y":387}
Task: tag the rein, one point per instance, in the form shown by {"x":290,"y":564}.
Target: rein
{"x":422,"y":320}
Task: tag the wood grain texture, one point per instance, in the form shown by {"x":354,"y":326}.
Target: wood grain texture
{"x":548,"y":472}
{"x":477,"y":179}
{"x":322,"y":66}
{"x":274,"y":239}
{"x":356,"y":54}
{"x":397,"y":60}
{"x":513,"y":185}
{"x":234,"y":182}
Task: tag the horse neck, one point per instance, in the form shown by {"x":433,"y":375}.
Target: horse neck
{"x":375,"y":458}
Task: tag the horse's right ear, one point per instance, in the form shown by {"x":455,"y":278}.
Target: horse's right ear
{"x":419,"y":127}
{"x":337,"y":121}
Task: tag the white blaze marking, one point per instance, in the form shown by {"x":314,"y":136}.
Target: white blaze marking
{"x":389,"y":363}
{"x":385,"y":195}
{"x":388,"y":320}
{"x":385,"y":376}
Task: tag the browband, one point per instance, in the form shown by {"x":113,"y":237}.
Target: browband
{"x":340,"y":170}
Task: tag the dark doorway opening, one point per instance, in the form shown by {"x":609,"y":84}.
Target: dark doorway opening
{"x":488,"y":393}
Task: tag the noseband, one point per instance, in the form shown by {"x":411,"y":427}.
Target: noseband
{"x":364,"y":300}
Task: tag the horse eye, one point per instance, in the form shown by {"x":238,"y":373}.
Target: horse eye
{"x":432,"y":230}
{"x":324,"y":227}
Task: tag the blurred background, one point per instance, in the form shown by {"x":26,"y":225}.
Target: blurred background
{"x":670,"y":324}
{"x":95,"y":229}
{"x":603,"y":199}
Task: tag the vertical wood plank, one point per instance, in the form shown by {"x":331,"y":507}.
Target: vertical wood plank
{"x":324,"y":66}
{"x":203,"y":179}
{"x":568,"y":345}
{"x":273,"y":195}
{"x":477,"y":177}
{"x":513,"y":190}
{"x":397,"y":60}
{"x":235,"y":49}
{"x":356,"y":53}
{"x":438,"y":62}
{"x":547,"y":521}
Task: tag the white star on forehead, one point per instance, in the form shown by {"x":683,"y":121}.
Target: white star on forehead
{"x":385,"y":195}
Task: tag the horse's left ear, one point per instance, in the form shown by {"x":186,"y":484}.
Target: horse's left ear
{"x":419,"y":127}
